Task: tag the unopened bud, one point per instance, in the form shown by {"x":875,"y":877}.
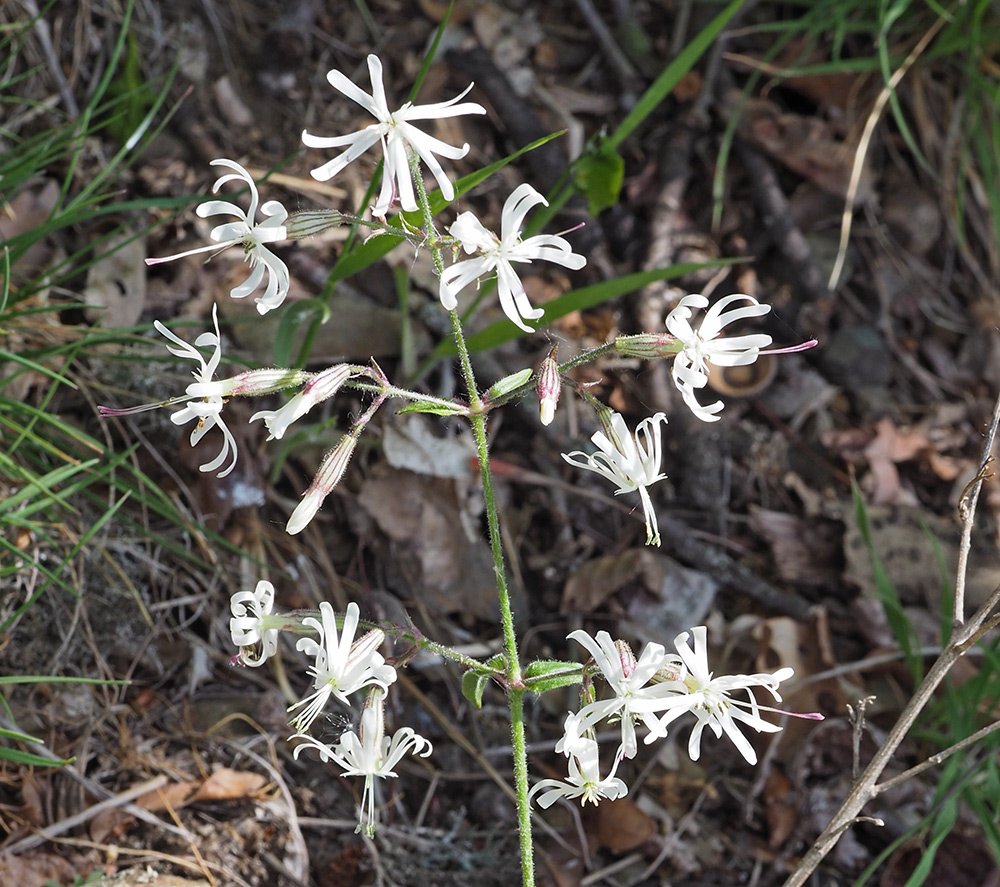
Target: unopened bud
{"x":252,"y":383}
{"x":329,"y":475}
{"x":306,"y":224}
{"x":648,"y":346}
{"x":626,"y":657}
{"x":549,"y":388}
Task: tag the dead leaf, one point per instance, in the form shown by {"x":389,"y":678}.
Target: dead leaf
{"x":430,"y":523}
{"x":780,"y":809}
{"x":411,"y":444}
{"x":621,"y":826}
{"x":805,"y":551}
{"x":171,"y":796}
{"x":116,"y":284}
{"x":806,"y":145}
{"x":226,"y":784}
{"x":35,"y":868}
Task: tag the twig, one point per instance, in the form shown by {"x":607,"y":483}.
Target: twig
{"x":936,"y":759}
{"x":617,"y":59}
{"x":780,"y":224}
{"x":41,"y":28}
{"x":122,"y":799}
{"x":866,"y":136}
{"x":967,"y":510}
{"x":865,"y":788}
{"x":857,"y":719}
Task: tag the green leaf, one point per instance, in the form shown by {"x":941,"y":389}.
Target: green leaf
{"x":599,"y":173}
{"x":434,"y":408}
{"x":473,"y":686}
{"x":509,"y":383}
{"x":17,"y":756}
{"x":551,"y":674}
{"x":672,"y":74}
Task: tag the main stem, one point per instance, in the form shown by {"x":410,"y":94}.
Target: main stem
{"x":515,"y":682}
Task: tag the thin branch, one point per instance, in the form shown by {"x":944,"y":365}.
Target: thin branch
{"x":866,"y":788}
{"x":936,"y":759}
{"x":865,"y":140}
{"x":967,"y":511}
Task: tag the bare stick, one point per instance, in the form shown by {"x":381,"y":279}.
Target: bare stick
{"x":866,"y":788}
{"x":865,"y":140}
{"x":967,"y":510}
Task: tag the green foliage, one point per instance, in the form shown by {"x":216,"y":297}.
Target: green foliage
{"x":474,"y":682}
{"x":892,"y":606}
{"x":971,"y":776}
{"x":598,"y":174}
{"x":543,"y":675}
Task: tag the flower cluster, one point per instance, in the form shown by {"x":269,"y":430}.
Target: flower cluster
{"x":650,"y":692}
{"x":342,"y":666}
{"x":655,"y":690}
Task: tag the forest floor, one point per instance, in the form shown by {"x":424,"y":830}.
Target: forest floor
{"x":814,"y":526}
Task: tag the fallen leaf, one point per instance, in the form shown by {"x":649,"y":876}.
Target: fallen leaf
{"x":115,"y":292}
{"x":805,"y":551}
{"x":806,"y":145}
{"x":434,"y":539}
{"x":621,"y":826}
{"x":226,"y":784}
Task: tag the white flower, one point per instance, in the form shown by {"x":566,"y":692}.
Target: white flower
{"x":250,"y":235}
{"x":205,"y":398}
{"x":634,"y":699}
{"x":395,"y":130}
{"x":248,"y":626}
{"x":369,"y":753}
{"x":321,"y":387}
{"x":342,"y":666}
{"x":709,"y":700}
{"x":631,"y":463}
{"x":498,"y":253}
{"x":584,"y":779}
{"x":330,"y":473}
{"x":703,"y":345}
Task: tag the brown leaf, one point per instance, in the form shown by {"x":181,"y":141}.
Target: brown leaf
{"x":780,"y":808}
{"x":805,"y":145}
{"x":433,"y":535}
{"x":171,"y":796}
{"x":116,"y":284}
{"x":598,"y":579}
{"x":229,"y":785}
{"x":621,"y":826}
{"x":804,"y":550}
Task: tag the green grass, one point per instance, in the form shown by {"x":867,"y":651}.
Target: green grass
{"x":61,"y":487}
{"x":832,"y":37}
{"x":970,"y":777}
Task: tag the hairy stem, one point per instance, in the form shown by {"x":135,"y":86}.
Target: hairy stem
{"x":515,"y":694}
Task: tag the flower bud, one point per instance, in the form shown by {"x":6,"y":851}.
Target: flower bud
{"x":330,"y":472}
{"x":549,"y":387}
{"x":306,"y":224}
{"x":320,"y":387}
{"x":252,"y":383}
{"x":648,"y":346}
